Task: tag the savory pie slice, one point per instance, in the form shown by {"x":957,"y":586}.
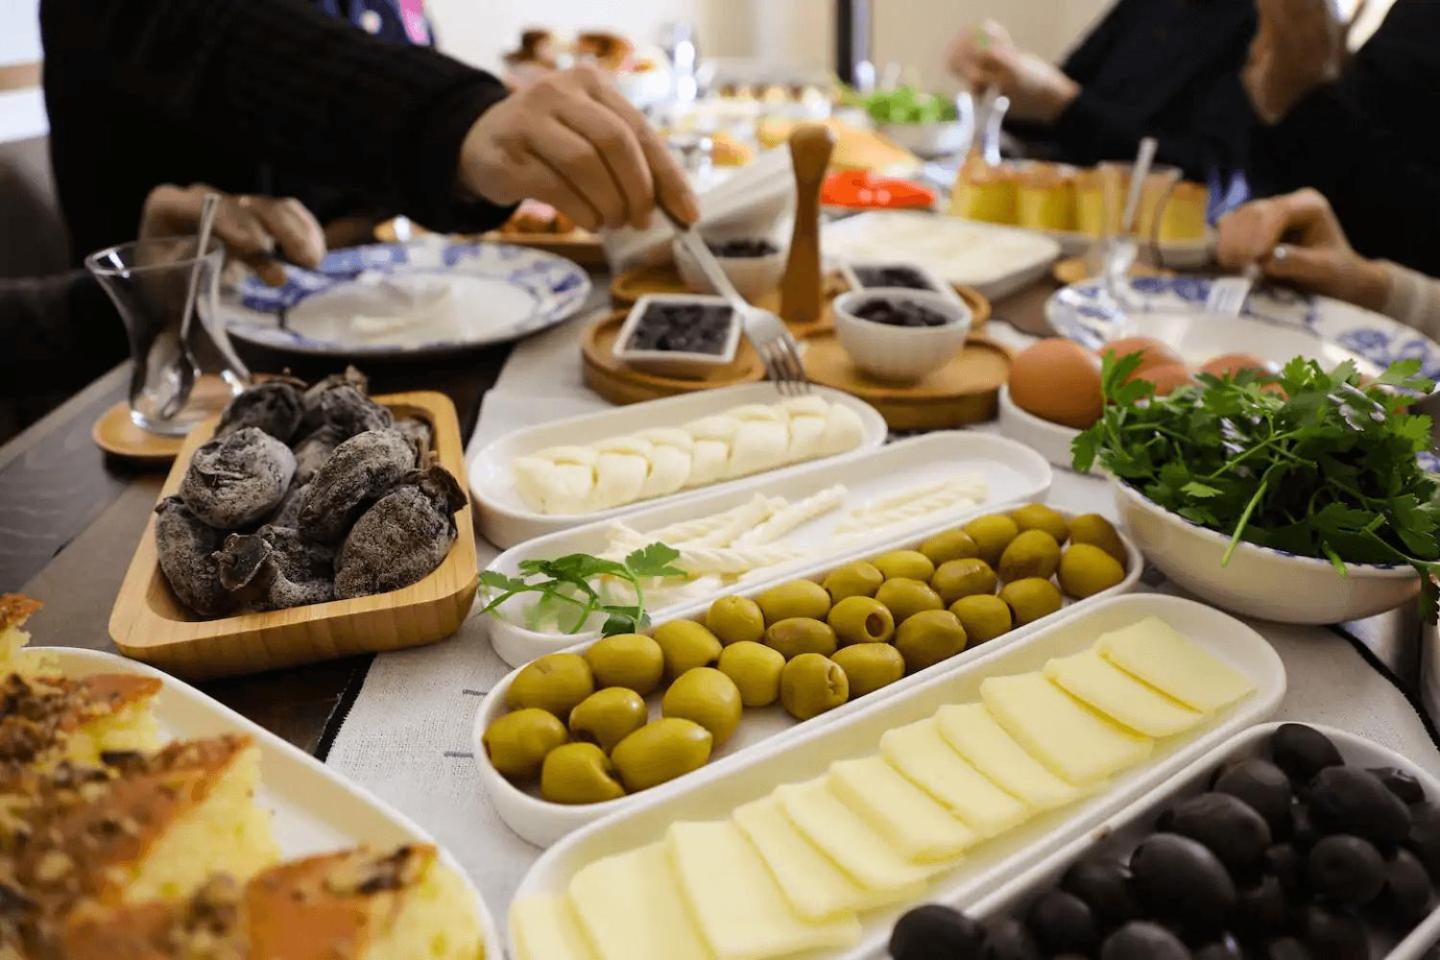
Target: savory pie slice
{"x":48,"y":719}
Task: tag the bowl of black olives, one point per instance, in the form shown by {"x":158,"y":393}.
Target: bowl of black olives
{"x":754,"y":263}
{"x":901,"y":335}
{"x":678,"y":335}
{"x":1290,"y":841}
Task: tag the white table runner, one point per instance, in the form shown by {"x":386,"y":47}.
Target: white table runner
{"x":407,"y":737}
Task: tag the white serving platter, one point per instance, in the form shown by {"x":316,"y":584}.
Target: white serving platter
{"x":505,"y":520}
{"x":543,"y":823}
{"x":1122,"y":831}
{"x":992,"y":259}
{"x":1010,"y":471}
{"x":314,"y":809}
{"x":714,"y":793}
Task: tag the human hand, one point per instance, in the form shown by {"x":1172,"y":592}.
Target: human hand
{"x":985,"y":56}
{"x":1296,"y":238}
{"x":571,"y":140}
{"x":1299,"y":45}
{"x":252,"y":228}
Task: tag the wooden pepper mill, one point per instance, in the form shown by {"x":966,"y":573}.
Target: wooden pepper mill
{"x":801,"y":297}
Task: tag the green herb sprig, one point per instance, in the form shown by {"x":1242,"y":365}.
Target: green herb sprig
{"x":1310,"y":462}
{"x":566,"y":585}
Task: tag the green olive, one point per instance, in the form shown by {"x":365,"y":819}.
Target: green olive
{"x":755,"y":669}
{"x":661,"y":750}
{"x":905,"y":598}
{"x":629,"y":660}
{"x":686,"y":645}
{"x":992,"y":534}
{"x":861,"y":620}
{"x":1037,"y":516}
{"x":858,"y":579}
{"x":983,"y":615}
{"x":870,"y":666}
{"x":1033,"y":553}
{"x":734,"y":619}
{"x":1031,"y":598}
{"x":708,"y":697}
{"x":904,"y":564}
{"x":608,"y":716}
{"x":1094,"y":529}
{"x":518,"y":742}
{"x":799,"y":635}
{"x":578,"y":773}
{"x":554,"y":682}
{"x":950,"y":545}
{"x":929,"y":637}
{"x":811,"y":684}
{"x":798,"y":598}
{"x":1085,"y":570}
{"x":962,"y":578}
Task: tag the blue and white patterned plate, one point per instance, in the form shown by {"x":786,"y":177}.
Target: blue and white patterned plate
{"x":1276,"y":324}
{"x":431,"y":296}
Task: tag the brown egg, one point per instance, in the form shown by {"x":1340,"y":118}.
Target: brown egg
{"x":1153,"y":352}
{"x":1058,"y":380}
{"x":1166,"y":377}
{"x":1229,"y":364}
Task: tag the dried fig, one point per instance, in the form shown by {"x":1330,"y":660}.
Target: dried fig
{"x":312,"y":452}
{"x":359,"y":472}
{"x":420,"y":436}
{"x":288,"y":513}
{"x":186,"y":548}
{"x":340,"y":401}
{"x":274,"y":406}
{"x":258,"y":573}
{"x":402,"y":538}
{"x":238,"y":479}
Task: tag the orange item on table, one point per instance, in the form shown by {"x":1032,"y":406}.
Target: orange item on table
{"x":857,"y":188}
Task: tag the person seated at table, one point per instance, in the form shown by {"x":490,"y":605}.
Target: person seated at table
{"x":256,"y":95}
{"x":1359,"y":129}
{"x":1297,"y":239}
{"x":1161,"y":68}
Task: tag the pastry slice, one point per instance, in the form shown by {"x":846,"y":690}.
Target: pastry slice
{"x":905,"y":815}
{"x":973,"y":733}
{"x":1157,"y":653}
{"x":924,"y":758}
{"x":15,"y":610}
{"x":48,"y":719}
{"x":848,"y":840}
{"x":1090,"y":677}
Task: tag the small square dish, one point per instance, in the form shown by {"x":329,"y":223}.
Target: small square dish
{"x":893,"y":275}
{"x":679,"y":335}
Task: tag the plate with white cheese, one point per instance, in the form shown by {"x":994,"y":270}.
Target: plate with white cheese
{"x":751,"y":534}
{"x":815,"y":845}
{"x":604,"y":465}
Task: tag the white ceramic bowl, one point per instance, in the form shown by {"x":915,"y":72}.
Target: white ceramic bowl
{"x":675,"y":363}
{"x":937,"y":139}
{"x":753,"y":277}
{"x":852,"y":279}
{"x":1050,"y":440}
{"x":1259,"y":581}
{"x":901,"y":354}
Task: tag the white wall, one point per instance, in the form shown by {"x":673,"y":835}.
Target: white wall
{"x":19,"y":31}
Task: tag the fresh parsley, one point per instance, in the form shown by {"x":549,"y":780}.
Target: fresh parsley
{"x":1313,"y":462}
{"x":564,"y":586}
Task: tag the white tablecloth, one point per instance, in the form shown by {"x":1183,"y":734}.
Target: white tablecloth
{"x":407,"y":737}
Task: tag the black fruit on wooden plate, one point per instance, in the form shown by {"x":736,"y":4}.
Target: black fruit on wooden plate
{"x":682,"y":328}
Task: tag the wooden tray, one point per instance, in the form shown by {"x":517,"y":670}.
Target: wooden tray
{"x":149,"y":624}
{"x":1073,"y":270}
{"x":618,"y":383}
{"x":962,"y":392}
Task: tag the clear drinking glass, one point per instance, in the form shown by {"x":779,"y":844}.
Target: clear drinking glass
{"x":148,"y":281}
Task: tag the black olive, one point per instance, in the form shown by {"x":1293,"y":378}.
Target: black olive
{"x":935,"y":932}
{"x":1104,"y":885}
{"x":1407,"y":894}
{"x":1402,"y":784}
{"x":1286,"y":864}
{"x":1181,"y":883}
{"x":1060,"y":922}
{"x":1223,"y":949}
{"x":1139,"y":940}
{"x":1334,"y":936}
{"x":1263,"y":786}
{"x":1009,"y":940}
{"x":1286,"y":948}
{"x":1302,"y":752}
{"x":900,"y":313}
{"x":1262,"y":910}
{"x":1303,"y":832}
{"x":743,"y":248}
{"x":1228,"y":826}
{"x":1351,"y":800}
{"x":1424,"y":839}
{"x":1346,"y":870}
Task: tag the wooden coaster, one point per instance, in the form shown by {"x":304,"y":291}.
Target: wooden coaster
{"x":962,"y":392}
{"x":619,"y":383}
{"x":1076,"y":270}
{"x":117,"y":434}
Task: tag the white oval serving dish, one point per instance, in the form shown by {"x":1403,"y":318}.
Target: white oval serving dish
{"x":1259,"y":581}
{"x":1011,"y":473}
{"x":315,"y":810}
{"x":505,"y":520}
{"x":1123,"y":830}
{"x":543,"y":823}
{"x":715,"y":792}
{"x":1050,"y":440}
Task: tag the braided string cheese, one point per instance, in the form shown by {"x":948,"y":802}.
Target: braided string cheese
{"x":786,"y":520}
{"x":734,"y":560}
{"x":652,"y":463}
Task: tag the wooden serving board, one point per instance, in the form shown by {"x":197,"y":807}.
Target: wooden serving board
{"x":964,"y":391}
{"x":621,"y":384}
{"x":148,"y":623}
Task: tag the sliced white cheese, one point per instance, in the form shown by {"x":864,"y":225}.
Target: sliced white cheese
{"x":669,"y":469}
{"x":1157,"y":653}
{"x":1090,"y":677}
{"x":843,"y":430}
{"x":708,"y":461}
{"x":631,"y":908}
{"x":975,"y":735}
{"x":908,"y":817}
{"x":546,"y":928}
{"x":758,"y":445}
{"x":924,"y":758}
{"x":848,"y":840}
{"x":619,"y":478}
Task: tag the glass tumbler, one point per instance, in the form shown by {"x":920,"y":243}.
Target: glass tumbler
{"x":148,"y":280}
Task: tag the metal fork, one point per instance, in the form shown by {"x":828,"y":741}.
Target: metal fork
{"x":1228,"y":294}
{"x":766,"y":332}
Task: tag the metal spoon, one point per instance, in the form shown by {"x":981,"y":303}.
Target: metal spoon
{"x":185,"y":362}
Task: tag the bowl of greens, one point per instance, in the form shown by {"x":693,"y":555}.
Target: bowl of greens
{"x":1296,"y":497}
{"x":926,"y":124}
